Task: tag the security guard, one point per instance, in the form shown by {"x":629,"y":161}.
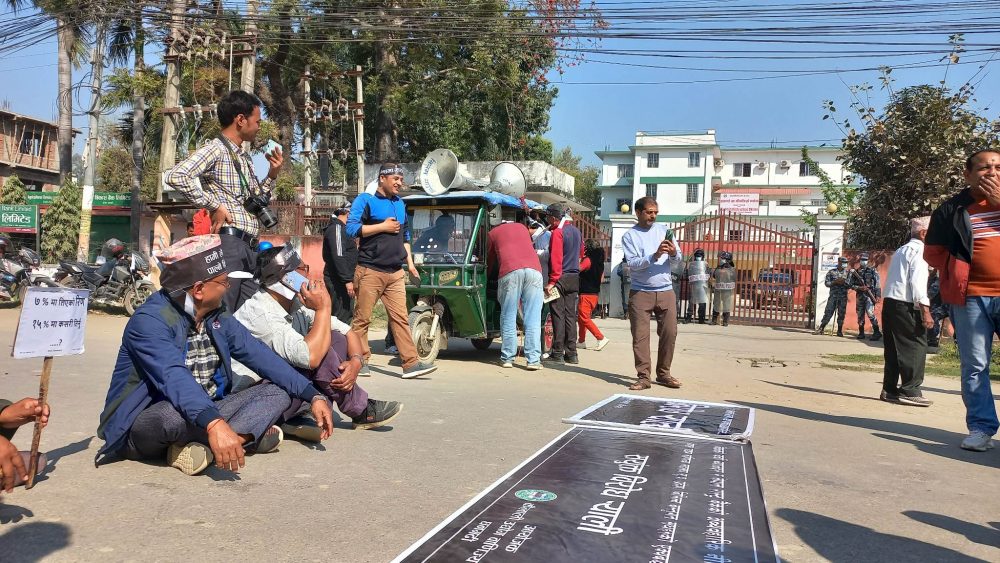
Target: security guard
{"x":865,"y":283}
{"x":837,"y":281}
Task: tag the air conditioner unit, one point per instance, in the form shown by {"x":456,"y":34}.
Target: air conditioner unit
{"x":762,"y":165}
{"x":785,"y":164}
{"x":719,"y":163}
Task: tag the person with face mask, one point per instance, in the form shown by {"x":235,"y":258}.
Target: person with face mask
{"x":865,"y":283}
{"x":723,"y":288}
{"x":698,"y":276}
{"x":837,"y":280}
{"x":300,"y":327}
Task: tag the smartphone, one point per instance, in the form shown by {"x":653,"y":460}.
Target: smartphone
{"x":272,"y":146}
{"x":669,"y":236}
{"x":293,"y":281}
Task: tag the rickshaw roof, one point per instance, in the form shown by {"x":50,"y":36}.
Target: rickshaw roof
{"x":492,"y":198}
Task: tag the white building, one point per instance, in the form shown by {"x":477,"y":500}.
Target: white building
{"x":689,"y":173}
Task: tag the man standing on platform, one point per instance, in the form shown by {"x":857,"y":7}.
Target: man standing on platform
{"x":651,"y":255}
{"x":219,"y":176}
{"x":906,"y":316}
{"x":340,"y":256}
{"x":379,"y":220}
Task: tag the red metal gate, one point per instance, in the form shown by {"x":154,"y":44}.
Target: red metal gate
{"x":774,"y":267}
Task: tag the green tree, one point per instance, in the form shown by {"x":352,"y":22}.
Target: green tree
{"x":585,"y":188}
{"x":114,"y":169}
{"x":844,"y":197}
{"x":61,"y":224}
{"x":13,"y":192}
{"x":909,"y":157}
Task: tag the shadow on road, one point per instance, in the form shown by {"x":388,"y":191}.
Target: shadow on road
{"x":951,"y":391}
{"x":934,"y":441}
{"x":34,"y":541}
{"x":975,"y":533}
{"x":836,"y":540}
{"x":815,"y":390}
{"x":55,"y":455}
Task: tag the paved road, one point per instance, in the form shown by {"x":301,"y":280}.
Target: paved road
{"x":846,"y":477}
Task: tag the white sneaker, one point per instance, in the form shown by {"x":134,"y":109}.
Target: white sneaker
{"x":977,"y":441}
{"x":582,"y":346}
{"x":507,"y":364}
{"x":601,"y":344}
{"x":271,"y":440}
{"x":545,"y":355}
{"x":191,"y":458}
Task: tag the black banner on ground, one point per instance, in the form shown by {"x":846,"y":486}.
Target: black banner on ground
{"x":670,"y":416}
{"x":598,"y":494}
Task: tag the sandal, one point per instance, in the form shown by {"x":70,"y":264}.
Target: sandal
{"x":640,"y":385}
{"x":669,"y":381}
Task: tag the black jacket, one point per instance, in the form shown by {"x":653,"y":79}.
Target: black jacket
{"x":340,"y":254}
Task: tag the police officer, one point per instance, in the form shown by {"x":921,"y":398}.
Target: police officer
{"x":836,"y":280}
{"x":697,"y":275}
{"x":865,"y":283}
{"x":723,"y":287}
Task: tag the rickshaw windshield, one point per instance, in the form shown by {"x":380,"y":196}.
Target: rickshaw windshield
{"x":442,"y":236}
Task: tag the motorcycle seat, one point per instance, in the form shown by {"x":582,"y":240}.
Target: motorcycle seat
{"x":82,"y":266}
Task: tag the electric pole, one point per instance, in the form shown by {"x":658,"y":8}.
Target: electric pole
{"x":359,"y":118}
{"x":171,"y":96}
{"x":307,"y":142}
{"x":250,"y":60}
{"x":90,"y":174}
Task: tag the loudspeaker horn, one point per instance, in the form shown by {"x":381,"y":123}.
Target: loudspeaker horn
{"x":439,"y":173}
{"x":508,"y":179}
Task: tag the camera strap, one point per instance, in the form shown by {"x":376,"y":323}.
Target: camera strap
{"x":244,"y":184}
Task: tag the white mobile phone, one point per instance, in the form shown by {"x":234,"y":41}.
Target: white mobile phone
{"x":271,"y":147}
{"x":293,"y":281}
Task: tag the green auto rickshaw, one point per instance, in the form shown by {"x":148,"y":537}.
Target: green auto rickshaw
{"x":454,"y":296}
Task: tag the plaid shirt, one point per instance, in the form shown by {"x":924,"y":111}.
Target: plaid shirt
{"x":203,"y":360}
{"x":219,"y":182}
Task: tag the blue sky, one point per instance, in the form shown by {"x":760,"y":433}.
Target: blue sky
{"x":587,"y":116}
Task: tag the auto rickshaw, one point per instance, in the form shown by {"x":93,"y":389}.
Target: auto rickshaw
{"x":454,"y":297}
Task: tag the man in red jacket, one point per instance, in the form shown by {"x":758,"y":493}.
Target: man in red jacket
{"x":511,"y":255}
{"x":567,"y":258}
{"x":963,"y":244}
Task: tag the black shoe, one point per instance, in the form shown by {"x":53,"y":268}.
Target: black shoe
{"x":861,"y":335}
{"x":876,"y":336}
{"x":888,"y":397}
{"x":840,"y":332}
{"x":554,"y":358}
{"x":377,"y":413}
{"x":572,"y":359}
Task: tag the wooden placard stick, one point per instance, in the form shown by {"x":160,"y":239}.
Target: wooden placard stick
{"x":43,"y":396}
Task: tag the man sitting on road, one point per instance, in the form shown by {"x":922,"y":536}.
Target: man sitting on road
{"x":14,"y":464}
{"x":171,"y":390}
{"x":297,"y":326}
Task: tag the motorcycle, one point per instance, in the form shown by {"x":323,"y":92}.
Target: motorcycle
{"x":121,"y":280}
{"x":18,"y":272}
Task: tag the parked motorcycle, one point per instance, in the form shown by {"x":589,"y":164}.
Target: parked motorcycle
{"x":18,"y":271}
{"x":121,"y":280}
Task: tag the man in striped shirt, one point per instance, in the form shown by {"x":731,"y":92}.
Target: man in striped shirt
{"x":219,"y":176}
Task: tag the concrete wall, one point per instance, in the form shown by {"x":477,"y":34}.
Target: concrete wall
{"x":536,"y":173}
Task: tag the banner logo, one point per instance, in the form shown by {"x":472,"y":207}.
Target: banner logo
{"x":535,"y":495}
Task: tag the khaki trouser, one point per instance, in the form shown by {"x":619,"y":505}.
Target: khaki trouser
{"x":372,"y":285}
{"x":643,"y":306}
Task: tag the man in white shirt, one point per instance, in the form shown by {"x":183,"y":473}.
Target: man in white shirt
{"x":906,"y":316}
{"x":297,"y":326}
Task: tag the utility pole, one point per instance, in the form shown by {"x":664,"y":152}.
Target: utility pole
{"x":359,"y":118}
{"x":90,"y":174}
{"x":171,"y":96}
{"x":307,"y":142}
{"x":250,"y":60}
{"x":138,"y":126}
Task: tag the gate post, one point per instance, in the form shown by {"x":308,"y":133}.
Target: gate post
{"x":620,"y":223}
{"x":829,"y":244}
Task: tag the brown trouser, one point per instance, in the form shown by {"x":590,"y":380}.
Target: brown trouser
{"x":642,"y":307}
{"x":372,"y":285}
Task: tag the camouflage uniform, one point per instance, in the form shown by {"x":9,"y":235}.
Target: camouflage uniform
{"x":939,"y":309}
{"x":866,"y":276}
{"x":836,"y":280}
{"x":723,"y":288}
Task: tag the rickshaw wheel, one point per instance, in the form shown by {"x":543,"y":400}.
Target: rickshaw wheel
{"x":428,"y":345}
{"x":481,"y":343}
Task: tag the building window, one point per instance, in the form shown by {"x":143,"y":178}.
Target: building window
{"x":653,"y":160}
{"x":619,"y":203}
{"x":31,"y":144}
{"x":735,"y":234}
{"x":626,"y":170}
{"x":651,"y":190}
{"x":694,"y":159}
{"x":692,"y":193}
{"x":741,"y":169}
{"x":805,"y":169}
{"x":784,"y":202}
{"x":817,"y":202}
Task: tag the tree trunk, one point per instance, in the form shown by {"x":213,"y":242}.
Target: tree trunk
{"x":386,"y":132}
{"x":66,"y":38}
{"x":277,"y":96}
{"x":138,"y":123}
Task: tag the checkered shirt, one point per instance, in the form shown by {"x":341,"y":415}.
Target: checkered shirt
{"x":203,"y":360}
{"x":219,"y":182}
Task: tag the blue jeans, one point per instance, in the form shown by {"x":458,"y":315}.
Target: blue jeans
{"x":521,"y":287}
{"x":975,"y":324}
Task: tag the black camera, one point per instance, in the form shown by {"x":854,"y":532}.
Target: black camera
{"x":257,"y":205}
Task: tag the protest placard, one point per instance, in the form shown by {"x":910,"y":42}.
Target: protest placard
{"x":670,"y":416}
{"x":52,"y":323}
{"x":596,"y":494}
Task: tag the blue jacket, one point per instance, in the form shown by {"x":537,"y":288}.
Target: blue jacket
{"x":382,"y":251}
{"x":151,"y":368}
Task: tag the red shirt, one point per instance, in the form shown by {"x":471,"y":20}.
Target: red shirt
{"x":509,"y":248}
{"x":984,"y":276}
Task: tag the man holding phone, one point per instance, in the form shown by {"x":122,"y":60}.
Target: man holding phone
{"x":219,"y":176}
{"x":651,"y":252}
